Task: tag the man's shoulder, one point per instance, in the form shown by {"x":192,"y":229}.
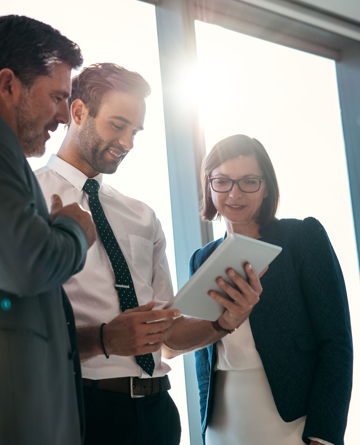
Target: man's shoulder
{"x":10,"y":146}
{"x":42,"y":172}
{"x":48,"y":178}
{"x":49,"y":181}
{"x":7,"y":134}
{"x":134,"y":204}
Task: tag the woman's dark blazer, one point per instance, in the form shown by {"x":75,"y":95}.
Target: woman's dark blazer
{"x":301,"y":328}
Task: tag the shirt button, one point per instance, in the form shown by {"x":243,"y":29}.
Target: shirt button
{"x":5,"y":304}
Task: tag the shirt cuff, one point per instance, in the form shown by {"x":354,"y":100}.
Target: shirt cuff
{"x":320,"y":440}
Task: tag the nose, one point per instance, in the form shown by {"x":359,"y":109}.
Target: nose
{"x":127,"y":140}
{"x":62,"y":115}
{"x":235,"y":192}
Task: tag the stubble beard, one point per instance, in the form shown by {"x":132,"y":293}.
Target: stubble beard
{"x":31,"y":141}
{"x":93,"y":147}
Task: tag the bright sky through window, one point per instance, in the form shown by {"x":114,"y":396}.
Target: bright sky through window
{"x":288,"y":100}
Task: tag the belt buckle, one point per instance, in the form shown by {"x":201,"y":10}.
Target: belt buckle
{"x":134,"y":396}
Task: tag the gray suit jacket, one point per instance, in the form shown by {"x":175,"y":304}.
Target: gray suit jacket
{"x":40,"y":398}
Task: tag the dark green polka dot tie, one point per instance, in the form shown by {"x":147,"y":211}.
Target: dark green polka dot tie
{"x":123,"y":281}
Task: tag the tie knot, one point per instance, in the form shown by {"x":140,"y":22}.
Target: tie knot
{"x":91,"y":187}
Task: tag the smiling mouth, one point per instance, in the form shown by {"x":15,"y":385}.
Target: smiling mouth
{"x":235,"y":207}
{"x":117,"y":153}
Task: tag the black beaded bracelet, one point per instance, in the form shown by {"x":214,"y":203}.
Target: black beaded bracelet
{"x":102,"y":340}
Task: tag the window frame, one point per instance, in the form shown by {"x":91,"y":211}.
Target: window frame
{"x":184,"y":134}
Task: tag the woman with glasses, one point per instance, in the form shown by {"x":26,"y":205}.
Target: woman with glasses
{"x":284,"y":376}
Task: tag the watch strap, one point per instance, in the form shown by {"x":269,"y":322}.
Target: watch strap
{"x":217,"y":327}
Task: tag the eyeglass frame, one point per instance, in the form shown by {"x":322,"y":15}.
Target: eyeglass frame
{"x":237,"y":182}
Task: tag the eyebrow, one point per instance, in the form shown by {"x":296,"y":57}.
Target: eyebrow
{"x":64,"y":94}
{"x":123,"y":119}
{"x":243,"y":177}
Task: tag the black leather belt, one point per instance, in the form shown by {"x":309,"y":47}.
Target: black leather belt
{"x":132,"y":385}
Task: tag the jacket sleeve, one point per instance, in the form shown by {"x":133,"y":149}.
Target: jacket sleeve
{"x":192,"y":267}
{"x":202,"y":363}
{"x":203,"y":378}
{"x":35,"y":255}
{"x":324,"y":291}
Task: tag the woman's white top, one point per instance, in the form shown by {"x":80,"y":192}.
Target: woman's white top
{"x":243,"y":409}
{"x":237,"y":351}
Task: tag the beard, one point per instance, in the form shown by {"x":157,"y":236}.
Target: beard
{"x":93,"y":148}
{"x":30,"y":132}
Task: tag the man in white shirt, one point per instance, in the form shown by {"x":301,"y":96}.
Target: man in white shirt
{"x":125,"y":282}
{"x":123,"y":402}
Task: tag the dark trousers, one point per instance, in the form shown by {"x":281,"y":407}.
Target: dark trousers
{"x":114,"y":418}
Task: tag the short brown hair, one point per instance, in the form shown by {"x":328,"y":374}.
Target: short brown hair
{"x":230,"y":148}
{"x":96,"y":80}
{"x":31,"y":48}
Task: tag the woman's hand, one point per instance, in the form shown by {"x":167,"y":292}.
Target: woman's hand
{"x":243,"y":298}
{"x":187,"y":334}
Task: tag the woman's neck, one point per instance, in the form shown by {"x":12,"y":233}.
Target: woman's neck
{"x":250,"y":229}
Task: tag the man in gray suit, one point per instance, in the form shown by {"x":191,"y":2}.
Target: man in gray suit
{"x":40,"y":398}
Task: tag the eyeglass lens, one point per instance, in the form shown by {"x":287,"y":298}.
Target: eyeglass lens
{"x":246,"y":185}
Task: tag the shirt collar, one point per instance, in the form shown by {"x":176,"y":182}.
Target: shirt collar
{"x":70,"y":173}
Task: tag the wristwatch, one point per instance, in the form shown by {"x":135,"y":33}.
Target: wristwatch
{"x":218,"y":328}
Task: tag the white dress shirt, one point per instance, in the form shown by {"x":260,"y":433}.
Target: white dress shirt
{"x":237,"y":352}
{"x":92,"y":291}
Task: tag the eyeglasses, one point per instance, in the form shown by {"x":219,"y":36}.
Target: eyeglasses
{"x":246,"y":185}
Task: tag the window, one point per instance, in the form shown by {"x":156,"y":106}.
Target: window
{"x":288,"y":100}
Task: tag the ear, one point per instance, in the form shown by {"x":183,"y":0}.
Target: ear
{"x":10,"y":91}
{"x":79,"y":112}
{"x":10,"y":87}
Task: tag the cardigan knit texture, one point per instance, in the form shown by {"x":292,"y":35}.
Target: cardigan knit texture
{"x":301,"y":328}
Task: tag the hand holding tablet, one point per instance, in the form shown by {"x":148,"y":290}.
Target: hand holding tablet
{"x":234,"y":253}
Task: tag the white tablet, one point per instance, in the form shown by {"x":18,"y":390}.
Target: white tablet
{"x":237,"y":250}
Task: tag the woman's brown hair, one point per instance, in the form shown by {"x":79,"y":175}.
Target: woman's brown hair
{"x":232,"y":147}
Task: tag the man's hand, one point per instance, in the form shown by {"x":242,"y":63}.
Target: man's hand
{"x":74,"y":211}
{"x":138,"y":331}
{"x":243,"y":299}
